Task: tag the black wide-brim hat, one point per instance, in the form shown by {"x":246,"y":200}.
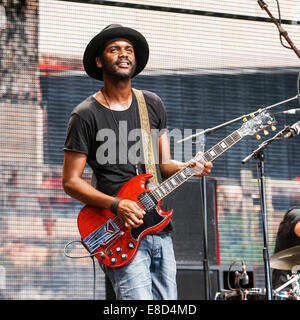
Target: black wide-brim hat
{"x":97,"y":44}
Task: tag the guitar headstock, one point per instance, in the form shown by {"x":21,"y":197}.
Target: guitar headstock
{"x":258,"y":123}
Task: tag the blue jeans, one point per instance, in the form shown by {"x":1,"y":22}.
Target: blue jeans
{"x":151,"y":275}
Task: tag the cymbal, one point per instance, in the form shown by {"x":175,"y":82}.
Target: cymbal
{"x":286,"y":259}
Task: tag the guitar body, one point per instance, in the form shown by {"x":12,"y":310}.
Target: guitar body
{"x":104,"y":233}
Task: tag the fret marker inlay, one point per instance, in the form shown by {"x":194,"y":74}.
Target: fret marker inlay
{"x":223,"y":145}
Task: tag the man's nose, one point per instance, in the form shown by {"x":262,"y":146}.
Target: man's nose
{"x":123,"y":53}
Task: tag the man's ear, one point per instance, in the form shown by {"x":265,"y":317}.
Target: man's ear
{"x":98,"y":62}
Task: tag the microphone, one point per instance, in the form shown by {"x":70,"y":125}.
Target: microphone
{"x":244,"y":276}
{"x":291,"y":111}
{"x":293,"y":130}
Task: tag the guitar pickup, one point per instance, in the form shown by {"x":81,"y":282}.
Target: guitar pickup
{"x":147,"y":200}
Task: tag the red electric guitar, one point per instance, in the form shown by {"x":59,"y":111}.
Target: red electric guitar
{"x":105,"y":235}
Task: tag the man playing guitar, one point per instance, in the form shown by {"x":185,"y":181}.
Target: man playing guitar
{"x":114,"y":56}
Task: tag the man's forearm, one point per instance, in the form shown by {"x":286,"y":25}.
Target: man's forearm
{"x":81,"y":190}
{"x":171,"y":167}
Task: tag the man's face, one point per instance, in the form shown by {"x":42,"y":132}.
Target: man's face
{"x":118,"y":59}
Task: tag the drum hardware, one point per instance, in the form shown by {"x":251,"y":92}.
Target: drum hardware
{"x":285,"y":295}
{"x":294,"y":293}
{"x":290,"y":281}
{"x":242,"y":294}
{"x":255,"y":294}
{"x":289,"y":260}
{"x":284,"y":259}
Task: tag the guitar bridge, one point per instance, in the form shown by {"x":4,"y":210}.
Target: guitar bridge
{"x":102,"y":236}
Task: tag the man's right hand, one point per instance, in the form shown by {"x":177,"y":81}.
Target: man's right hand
{"x":130,"y":213}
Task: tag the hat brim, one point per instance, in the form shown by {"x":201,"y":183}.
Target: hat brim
{"x":96,"y":45}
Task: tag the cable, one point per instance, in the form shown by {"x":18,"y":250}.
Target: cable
{"x":287,"y":47}
{"x":81,"y":257}
{"x":298,"y":88}
{"x":228,"y":279}
{"x":280,"y":34}
{"x":94,"y":278}
{"x":240,"y":290}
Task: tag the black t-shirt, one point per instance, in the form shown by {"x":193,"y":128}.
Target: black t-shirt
{"x":110,"y":140}
{"x":285,"y":239}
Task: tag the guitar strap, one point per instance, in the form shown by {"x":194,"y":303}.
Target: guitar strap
{"x":146,"y":136}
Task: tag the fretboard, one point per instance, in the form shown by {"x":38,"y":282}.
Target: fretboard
{"x":187,"y":172}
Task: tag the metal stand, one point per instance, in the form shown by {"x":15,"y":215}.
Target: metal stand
{"x":259,"y":155}
{"x":206,"y":270}
{"x":261,"y":175}
{"x":282,"y":32}
{"x":291,"y":281}
{"x":222,"y":125}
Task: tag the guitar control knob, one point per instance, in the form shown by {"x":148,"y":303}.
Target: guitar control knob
{"x":131,"y":245}
{"x":124,"y":256}
{"x":109,"y":253}
{"x":119,"y":249}
{"x":113,"y":260}
{"x":102,"y":254}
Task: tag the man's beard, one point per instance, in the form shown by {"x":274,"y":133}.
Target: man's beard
{"x":112,"y":70}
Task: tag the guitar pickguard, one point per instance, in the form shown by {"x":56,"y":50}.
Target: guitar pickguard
{"x":151,"y":219}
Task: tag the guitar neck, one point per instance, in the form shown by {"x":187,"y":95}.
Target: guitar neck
{"x":187,"y":172}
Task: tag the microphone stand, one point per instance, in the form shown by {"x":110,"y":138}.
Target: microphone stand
{"x":206,"y":270}
{"x":282,"y":32}
{"x":222,"y":125}
{"x":259,"y":155}
{"x":204,"y":198}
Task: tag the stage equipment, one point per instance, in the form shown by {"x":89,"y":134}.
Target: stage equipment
{"x":288,"y":259}
{"x":258,"y":154}
{"x":291,"y":111}
{"x":203,"y":134}
{"x":292,"y":130}
{"x":282,"y":32}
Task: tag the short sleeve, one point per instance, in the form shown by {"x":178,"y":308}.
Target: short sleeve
{"x":161,"y":113}
{"x":78,"y":137}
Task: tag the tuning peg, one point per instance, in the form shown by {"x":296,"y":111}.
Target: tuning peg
{"x":273,"y":128}
{"x":252,"y":115}
{"x":266,"y":132}
{"x":245,"y":120}
{"x":258,"y":137}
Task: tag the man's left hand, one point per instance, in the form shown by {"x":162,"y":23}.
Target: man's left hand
{"x":200,"y":166}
